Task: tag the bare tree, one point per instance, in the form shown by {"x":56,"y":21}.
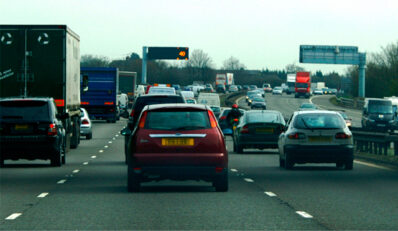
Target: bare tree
{"x":233,"y":64}
{"x":293,"y":68}
{"x":200,"y":65}
{"x":94,"y":61}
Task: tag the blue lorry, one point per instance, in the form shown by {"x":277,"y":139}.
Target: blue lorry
{"x":100,"y":99}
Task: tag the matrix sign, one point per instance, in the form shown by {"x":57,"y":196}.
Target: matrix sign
{"x":178,"y":53}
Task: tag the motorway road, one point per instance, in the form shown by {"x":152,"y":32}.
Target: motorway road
{"x":89,"y":193}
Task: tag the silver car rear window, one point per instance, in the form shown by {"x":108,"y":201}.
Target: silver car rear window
{"x":319,"y":121}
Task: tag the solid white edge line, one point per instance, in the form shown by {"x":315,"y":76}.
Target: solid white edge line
{"x":249,"y":180}
{"x":76,"y":171}
{"x":13,"y":216}
{"x":61,"y":181}
{"x":372,"y":165}
{"x":304,"y":214}
{"x":271,"y":194}
{"x":85,"y":163}
{"x":93,"y":157}
{"x":42,"y":195}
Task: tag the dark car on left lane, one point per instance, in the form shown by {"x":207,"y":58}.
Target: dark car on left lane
{"x":30,"y":129}
{"x":177,"y":142}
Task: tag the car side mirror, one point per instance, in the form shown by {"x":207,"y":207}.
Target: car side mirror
{"x":125,"y":132}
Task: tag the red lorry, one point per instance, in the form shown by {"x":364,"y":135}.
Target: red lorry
{"x":303,"y":84}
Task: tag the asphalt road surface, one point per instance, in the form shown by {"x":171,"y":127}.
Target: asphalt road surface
{"x":89,"y":192}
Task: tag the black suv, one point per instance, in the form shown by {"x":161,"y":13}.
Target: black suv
{"x":30,"y":129}
{"x":140,"y":103}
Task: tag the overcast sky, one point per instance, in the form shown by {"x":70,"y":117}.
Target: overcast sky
{"x":260,"y":33}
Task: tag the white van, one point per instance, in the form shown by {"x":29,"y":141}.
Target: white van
{"x":140,"y":90}
{"x":123,"y":100}
{"x":210,"y":99}
{"x":187,"y":94}
{"x":197,"y":89}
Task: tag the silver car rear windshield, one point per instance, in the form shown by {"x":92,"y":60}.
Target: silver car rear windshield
{"x":318,"y":121}
{"x":177,"y":120}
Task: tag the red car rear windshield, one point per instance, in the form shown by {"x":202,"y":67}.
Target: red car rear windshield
{"x":177,"y":120}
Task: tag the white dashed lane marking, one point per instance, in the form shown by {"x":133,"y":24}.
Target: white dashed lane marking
{"x":304,"y":214}
{"x":271,"y":194}
{"x":110,"y":142}
{"x":93,"y":157}
{"x":13,"y":216}
{"x":233,"y":170}
{"x":249,"y":180}
{"x":61,"y":181}
{"x":85,"y":163}
{"x":42,"y":195}
{"x":76,"y":171}
{"x":101,"y":151}
{"x":106,"y":146}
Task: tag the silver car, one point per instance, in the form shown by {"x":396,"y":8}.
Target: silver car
{"x":316,"y":137}
{"x":85,"y":125}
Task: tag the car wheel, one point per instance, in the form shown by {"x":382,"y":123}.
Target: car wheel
{"x":133,"y":180}
{"x":239,"y":148}
{"x":63,"y":158}
{"x":349,"y":164}
{"x":221,"y":182}
{"x":56,"y":159}
{"x":89,"y":136}
{"x":288,"y":161}
{"x":339,"y":164}
{"x":281,"y":162}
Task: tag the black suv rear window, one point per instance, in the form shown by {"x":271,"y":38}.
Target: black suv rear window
{"x":25,"y":110}
{"x":177,"y":120}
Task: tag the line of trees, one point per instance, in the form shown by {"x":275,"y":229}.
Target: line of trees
{"x":381,"y":75}
{"x":381,"y":71}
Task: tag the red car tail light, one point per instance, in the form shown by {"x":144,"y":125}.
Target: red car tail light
{"x":85,"y":121}
{"x":141,"y":124}
{"x":296,"y":136}
{"x":132,"y":113}
{"x":52,"y":130}
{"x":245,"y":129}
{"x":213,"y":122}
{"x":223,"y":117}
{"x":219,"y":169}
{"x":342,"y":135}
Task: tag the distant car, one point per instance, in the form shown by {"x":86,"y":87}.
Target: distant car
{"x":326,"y":91}
{"x":140,"y":90}
{"x":208,"y":88}
{"x":140,"y":103}
{"x":347,"y":119}
{"x":333,"y":91}
{"x":225,"y":125}
{"x":267,"y":87}
{"x":85,"y":125}
{"x":216,"y":110}
{"x":177,"y":87}
{"x":251,"y":94}
{"x":258,"y":129}
{"x":258,"y":102}
{"x":252,"y":87}
{"x":220,"y":88}
{"x":316,"y":137}
{"x":246,"y":87}
{"x":239,"y":87}
{"x":307,"y":107}
{"x":162,"y":91}
{"x":277,"y":91}
{"x":177,"y":142}
{"x":233,"y":88}
{"x":317,"y":91}
{"x":31,"y":129}
{"x":378,"y":115}
{"x":190,"y":100}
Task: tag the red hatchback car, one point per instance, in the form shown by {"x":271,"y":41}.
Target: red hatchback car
{"x":177,"y":142}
